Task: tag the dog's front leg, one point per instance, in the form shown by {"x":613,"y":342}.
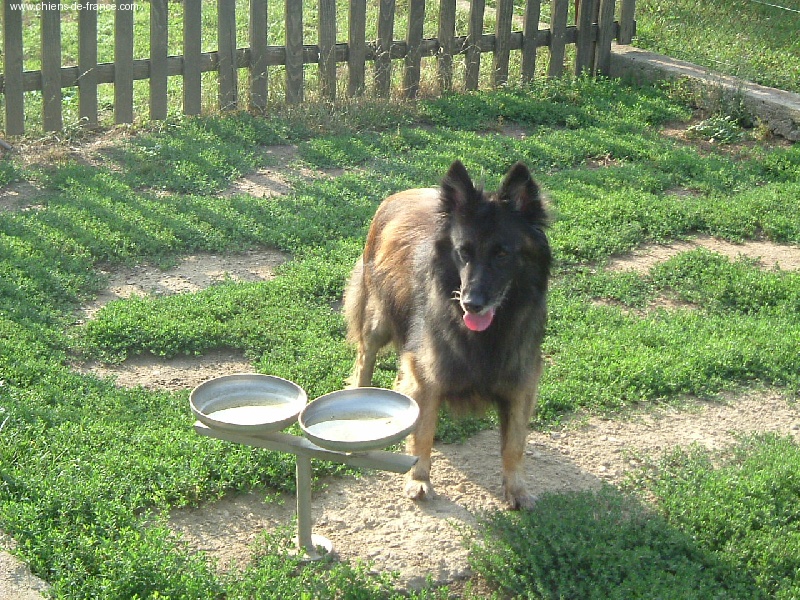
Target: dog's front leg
{"x":420,"y":442}
{"x":515,"y":417}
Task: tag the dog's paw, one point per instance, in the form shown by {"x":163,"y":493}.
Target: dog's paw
{"x":418,"y":489}
{"x":520,"y":499}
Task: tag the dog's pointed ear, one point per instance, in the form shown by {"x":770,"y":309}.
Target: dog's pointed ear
{"x":457,"y":188}
{"x":522,"y":192}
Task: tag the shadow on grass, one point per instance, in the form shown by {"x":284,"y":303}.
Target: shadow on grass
{"x":600,"y":544}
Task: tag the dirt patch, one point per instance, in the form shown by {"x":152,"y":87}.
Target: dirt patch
{"x":193,"y":273}
{"x":183,"y":372}
{"x":267,"y":182}
{"x":274,"y":180}
{"x":20,"y":196}
{"x":768,"y":254}
{"x":17,"y":582}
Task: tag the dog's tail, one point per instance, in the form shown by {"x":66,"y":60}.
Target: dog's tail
{"x":355,"y":299}
{"x":355,"y":305}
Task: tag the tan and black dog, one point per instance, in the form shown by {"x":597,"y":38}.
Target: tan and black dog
{"x":456,"y":278}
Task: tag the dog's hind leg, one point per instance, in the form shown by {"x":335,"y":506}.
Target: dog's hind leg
{"x":366,"y":355}
{"x":366,"y":327}
{"x":420,"y":442}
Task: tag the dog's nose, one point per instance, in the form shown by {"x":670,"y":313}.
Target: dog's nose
{"x":473,"y":307}
{"x":473,"y":302}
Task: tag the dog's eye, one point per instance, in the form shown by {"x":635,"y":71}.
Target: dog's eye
{"x":501,"y":254}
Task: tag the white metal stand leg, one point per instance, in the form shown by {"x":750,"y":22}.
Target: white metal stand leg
{"x":307,"y":543}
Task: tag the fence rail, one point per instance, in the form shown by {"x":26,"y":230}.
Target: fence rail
{"x":592,"y":33}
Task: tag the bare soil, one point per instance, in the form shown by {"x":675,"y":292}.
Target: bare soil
{"x":768,"y":254}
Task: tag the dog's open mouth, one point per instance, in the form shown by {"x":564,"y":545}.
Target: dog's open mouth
{"x":479,"y":321}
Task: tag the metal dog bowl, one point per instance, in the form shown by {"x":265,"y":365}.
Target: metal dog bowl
{"x":359,"y":419}
{"x":247,"y":403}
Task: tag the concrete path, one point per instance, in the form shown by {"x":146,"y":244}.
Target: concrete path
{"x":779,"y":110}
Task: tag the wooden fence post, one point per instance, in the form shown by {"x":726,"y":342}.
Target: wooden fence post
{"x":87,"y":66}
{"x":584,"y":44}
{"x":383,"y":50}
{"x":51,"y":67}
{"x":258,"y":55}
{"x":294,"y":51}
{"x":530,"y":32}
{"x":226,"y":39}
{"x":447,"y":29}
{"x":123,"y":65}
{"x":12,"y":69}
{"x":627,"y":21}
{"x":158,"y":59}
{"x":413,"y":61}
{"x":357,"y":47}
{"x":558,"y":36}
{"x":605,"y":34}
{"x":502,"y":45}
{"x":473,"y":44}
{"x":327,"y":48}
{"x":192,"y":45}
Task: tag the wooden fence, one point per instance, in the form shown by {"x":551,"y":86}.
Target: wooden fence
{"x":592,"y":32}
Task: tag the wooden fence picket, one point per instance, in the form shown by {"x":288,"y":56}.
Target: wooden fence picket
{"x":605,"y":35}
{"x":51,"y":68}
{"x":259,"y":72}
{"x":12,"y":70}
{"x":502,"y":44}
{"x":123,"y":66}
{"x":473,"y":43}
{"x":413,"y":58}
{"x":357,"y":48}
{"x":530,"y":41}
{"x":228,"y":78}
{"x":87,"y":66}
{"x":192,"y":47}
{"x":627,"y":22}
{"x":294,"y":52}
{"x":558,"y":37}
{"x":158,"y":59}
{"x":383,"y":50}
{"x":327,"y":48}
{"x":447,"y":46}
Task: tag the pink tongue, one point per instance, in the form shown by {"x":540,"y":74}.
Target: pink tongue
{"x":477,"y":322}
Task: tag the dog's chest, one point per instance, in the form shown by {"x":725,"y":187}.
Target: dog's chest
{"x":478,"y":363}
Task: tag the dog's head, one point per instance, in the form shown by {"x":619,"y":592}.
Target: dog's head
{"x":495,"y":240}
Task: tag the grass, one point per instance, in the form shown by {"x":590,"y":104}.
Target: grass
{"x":739,"y":504}
{"x":611,"y":546}
{"x":86,"y":467}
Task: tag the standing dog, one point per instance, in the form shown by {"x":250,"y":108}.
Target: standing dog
{"x":457,"y":278}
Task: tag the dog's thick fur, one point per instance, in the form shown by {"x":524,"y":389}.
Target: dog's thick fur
{"x":456,"y":278}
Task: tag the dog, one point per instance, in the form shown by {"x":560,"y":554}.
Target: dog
{"x":456,"y":278}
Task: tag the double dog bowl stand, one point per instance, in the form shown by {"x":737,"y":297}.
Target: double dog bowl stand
{"x":348,"y":427}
